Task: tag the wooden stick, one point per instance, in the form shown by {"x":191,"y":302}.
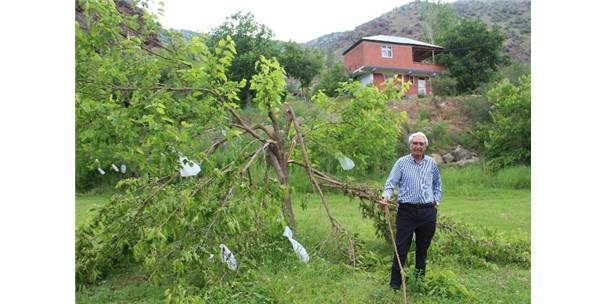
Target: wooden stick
{"x":395,"y":248}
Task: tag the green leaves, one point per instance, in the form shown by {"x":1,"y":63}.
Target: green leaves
{"x":506,"y":137}
{"x":472,"y":54}
{"x":141,"y":107}
{"x":269,"y":84}
{"x":360,"y":127}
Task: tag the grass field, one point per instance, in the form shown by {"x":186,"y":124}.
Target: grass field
{"x":493,"y":203}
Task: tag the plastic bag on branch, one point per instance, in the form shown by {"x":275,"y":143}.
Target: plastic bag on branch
{"x":296,"y":246}
{"x":346,"y":162}
{"x":188,"y":169}
{"x":99,"y":166}
{"x":228,"y":258}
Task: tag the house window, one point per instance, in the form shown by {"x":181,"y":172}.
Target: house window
{"x":386,"y":51}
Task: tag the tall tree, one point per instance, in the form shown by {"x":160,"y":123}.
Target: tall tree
{"x":252,"y":41}
{"x":330,"y":79}
{"x":436,"y":18}
{"x":299,"y":62}
{"x":472,"y":54}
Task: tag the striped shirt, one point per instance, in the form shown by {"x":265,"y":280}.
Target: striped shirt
{"x":417,"y":183}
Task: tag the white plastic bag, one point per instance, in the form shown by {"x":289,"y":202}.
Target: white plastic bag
{"x":346,"y":162}
{"x":99,"y":166}
{"x":296,"y":246}
{"x":188,"y":169}
{"x":228,"y":258}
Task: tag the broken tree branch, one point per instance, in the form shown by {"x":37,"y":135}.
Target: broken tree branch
{"x":334,"y":222}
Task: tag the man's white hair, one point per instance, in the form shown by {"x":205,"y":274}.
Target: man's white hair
{"x":418,"y":134}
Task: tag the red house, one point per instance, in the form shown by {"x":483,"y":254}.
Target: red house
{"x":373,"y":59}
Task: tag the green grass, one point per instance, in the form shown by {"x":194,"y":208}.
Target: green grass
{"x":498,"y":201}
{"x":84,"y":202}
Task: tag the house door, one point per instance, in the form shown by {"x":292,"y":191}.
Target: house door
{"x":422,"y":87}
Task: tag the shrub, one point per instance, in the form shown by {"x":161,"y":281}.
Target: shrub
{"x":443,"y":284}
{"x":444,"y":86}
{"x":506,"y":137}
{"x":476,"y":108}
{"x":330,"y":78}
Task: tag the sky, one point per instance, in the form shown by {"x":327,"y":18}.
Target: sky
{"x":300,"y":21}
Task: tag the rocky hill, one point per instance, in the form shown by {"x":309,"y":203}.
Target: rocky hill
{"x":511,"y":16}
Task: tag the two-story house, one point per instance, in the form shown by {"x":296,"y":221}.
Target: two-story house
{"x":373,"y":59}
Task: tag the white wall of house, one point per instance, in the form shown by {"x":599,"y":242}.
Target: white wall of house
{"x":366,"y":79}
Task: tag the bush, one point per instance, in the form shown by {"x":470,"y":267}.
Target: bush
{"x":515,"y":71}
{"x":455,"y":240}
{"x":506,"y":137}
{"x":476,"y":108}
{"x":330,"y":78}
{"x":444,"y":86}
{"x":443,"y":284}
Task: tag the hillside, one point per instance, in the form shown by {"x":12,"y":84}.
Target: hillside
{"x":512,"y":16}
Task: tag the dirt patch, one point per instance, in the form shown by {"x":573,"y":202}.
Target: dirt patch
{"x":447,"y":110}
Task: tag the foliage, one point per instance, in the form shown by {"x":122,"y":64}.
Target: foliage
{"x":182,"y":227}
{"x":330,"y":79}
{"x":299,"y":62}
{"x":473,"y":54}
{"x":252,"y":40}
{"x":147,"y":106}
{"x":444,"y":86}
{"x":269,"y":84}
{"x":437,"y":18}
{"x":442,"y":284}
{"x":506,"y":137}
{"x":322,"y":279}
{"x":514,"y":71}
{"x":136,"y":107}
{"x":361,"y":128}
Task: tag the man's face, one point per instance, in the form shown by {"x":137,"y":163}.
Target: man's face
{"x":417,"y":146}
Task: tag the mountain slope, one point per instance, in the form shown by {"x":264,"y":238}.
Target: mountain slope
{"x":511,"y":16}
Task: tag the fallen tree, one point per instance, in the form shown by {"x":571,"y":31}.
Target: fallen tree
{"x":158,"y":110}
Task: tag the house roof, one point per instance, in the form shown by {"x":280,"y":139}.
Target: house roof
{"x":392,"y":39}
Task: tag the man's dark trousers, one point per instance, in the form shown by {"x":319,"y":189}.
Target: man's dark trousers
{"x":421,"y":221}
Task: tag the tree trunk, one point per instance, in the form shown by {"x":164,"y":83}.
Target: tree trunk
{"x":287,"y":203}
{"x":277,"y":160}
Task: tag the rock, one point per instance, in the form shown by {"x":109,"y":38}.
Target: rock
{"x":460,"y":154}
{"x":437,"y":158}
{"x":467,"y":162}
{"x":448,"y":158}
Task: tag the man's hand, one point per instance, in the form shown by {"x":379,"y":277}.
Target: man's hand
{"x":383,"y":202}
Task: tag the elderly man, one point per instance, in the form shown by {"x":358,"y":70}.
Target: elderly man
{"x":420,"y":189}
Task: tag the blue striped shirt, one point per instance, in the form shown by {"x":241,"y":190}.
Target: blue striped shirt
{"x":417,"y":183}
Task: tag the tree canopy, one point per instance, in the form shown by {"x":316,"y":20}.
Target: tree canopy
{"x":299,"y":62}
{"x":472,"y":54}
{"x":252,"y":40}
